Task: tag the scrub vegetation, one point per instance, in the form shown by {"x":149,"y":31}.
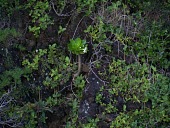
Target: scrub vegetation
{"x":84,"y":64}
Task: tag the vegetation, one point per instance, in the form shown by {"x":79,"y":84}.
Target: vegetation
{"x":121,"y":77}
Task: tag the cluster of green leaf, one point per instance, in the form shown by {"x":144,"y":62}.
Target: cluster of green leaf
{"x":7,"y":33}
{"x":8,"y":7}
{"x":39,"y":13}
{"x":135,"y":83}
{"x":52,"y":67}
{"x":12,"y":78}
{"x":11,"y":81}
{"x":77,"y":46}
{"x":153,"y":44}
{"x":52,"y":64}
{"x":55,"y":70}
{"x":86,"y":6}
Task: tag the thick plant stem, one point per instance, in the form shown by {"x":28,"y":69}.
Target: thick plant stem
{"x":79,"y":67}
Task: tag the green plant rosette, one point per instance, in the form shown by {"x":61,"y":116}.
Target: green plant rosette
{"x":77,"y":46}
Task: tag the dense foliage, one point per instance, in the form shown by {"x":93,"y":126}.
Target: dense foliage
{"x":125,"y":45}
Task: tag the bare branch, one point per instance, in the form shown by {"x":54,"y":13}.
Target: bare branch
{"x":5,"y":120}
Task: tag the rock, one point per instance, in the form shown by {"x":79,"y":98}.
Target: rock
{"x":88,"y":107}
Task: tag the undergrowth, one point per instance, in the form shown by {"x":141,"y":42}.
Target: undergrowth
{"x":127,"y":44}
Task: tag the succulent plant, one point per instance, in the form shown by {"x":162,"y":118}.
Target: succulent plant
{"x":77,"y":46}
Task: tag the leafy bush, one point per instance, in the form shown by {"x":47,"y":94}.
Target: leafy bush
{"x":153,"y":45}
{"x":39,"y":14}
{"x":7,"y":33}
{"x":8,"y":7}
{"x":136,"y":83}
{"x":86,"y":6}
